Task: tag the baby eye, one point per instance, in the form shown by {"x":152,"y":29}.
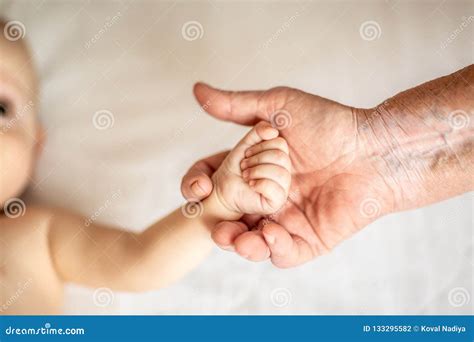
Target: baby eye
{"x":3,"y":109}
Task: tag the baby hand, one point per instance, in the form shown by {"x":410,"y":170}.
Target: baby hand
{"x":255,"y":177}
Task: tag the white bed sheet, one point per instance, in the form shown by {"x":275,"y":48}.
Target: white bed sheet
{"x":142,"y":70}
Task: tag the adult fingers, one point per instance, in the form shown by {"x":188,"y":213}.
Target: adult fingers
{"x":226,"y":232}
{"x":241,"y":107}
{"x":286,"y":250}
{"x":196,"y":183}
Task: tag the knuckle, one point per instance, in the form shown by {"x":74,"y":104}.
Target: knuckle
{"x":281,"y":172}
{"x":278,"y":97}
{"x":280,"y":90}
{"x":261,"y":171}
{"x":198,"y":166}
{"x":281,"y":144}
{"x":265,"y":185}
{"x":280,"y":141}
{"x":280,"y":157}
{"x":252,"y":171}
{"x":261,"y":125}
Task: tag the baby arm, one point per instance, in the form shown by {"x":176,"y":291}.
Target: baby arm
{"x":101,"y":256}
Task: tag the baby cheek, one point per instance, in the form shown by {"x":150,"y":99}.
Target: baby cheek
{"x":16,"y":162}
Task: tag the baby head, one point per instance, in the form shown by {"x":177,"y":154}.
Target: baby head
{"x":20,"y":131}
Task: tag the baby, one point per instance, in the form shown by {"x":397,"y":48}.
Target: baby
{"x":43,"y":248}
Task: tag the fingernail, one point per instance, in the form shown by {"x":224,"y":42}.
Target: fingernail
{"x":243,"y":164}
{"x":197,"y":190}
{"x":269,"y":238}
{"x":248,"y":152}
{"x":252,"y":182}
{"x":245,"y":174}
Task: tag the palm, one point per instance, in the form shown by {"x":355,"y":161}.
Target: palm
{"x":332,"y":193}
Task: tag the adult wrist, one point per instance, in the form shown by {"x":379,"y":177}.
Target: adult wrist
{"x":421,"y":141}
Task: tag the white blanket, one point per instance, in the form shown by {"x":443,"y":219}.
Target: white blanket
{"x":134,"y":61}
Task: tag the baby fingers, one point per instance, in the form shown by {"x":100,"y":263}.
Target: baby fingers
{"x":278,"y":143}
{"x":276,"y":157}
{"x":273,"y":195}
{"x":276,"y":173}
{"x":263,"y":131}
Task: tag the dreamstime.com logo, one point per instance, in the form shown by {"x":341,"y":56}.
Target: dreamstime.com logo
{"x":109,"y":22}
{"x":466,"y":21}
{"x":370,"y":30}
{"x":14,"y":30}
{"x":103,"y":119}
{"x":47,"y":329}
{"x":370,"y":208}
{"x":14,"y":208}
{"x":292,"y":197}
{"x":281,"y":297}
{"x":281,"y":119}
{"x":116,"y":194}
{"x":459,"y":296}
{"x":20,"y":114}
{"x":459,"y":119}
{"x":22,"y":287}
{"x":284,"y":27}
{"x":375,"y":114}
{"x":192,"y":208}
{"x":189,"y":123}
{"x":103,"y":297}
{"x":192,"y":30}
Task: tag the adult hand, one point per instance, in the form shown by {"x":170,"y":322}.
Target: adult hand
{"x":350,"y":166}
{"x":331,"y":175}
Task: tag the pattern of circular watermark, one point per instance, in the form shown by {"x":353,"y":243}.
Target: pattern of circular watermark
{"x":459,"y":296}
{"x":370,"y":30}
{"x":280,"y":297}
{"x":281,"y":119}
{"x":458,"y":119}
{"x":192,"y":30}
{"x":14,"y":30}
{"x":370,"y":208}
{"x":192,"y":208}
{"x":103,"y":119}
{"x":103,"y":296}
{"x":14,"y":207}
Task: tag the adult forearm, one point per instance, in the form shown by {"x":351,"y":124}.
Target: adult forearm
{"x":421,"y":140}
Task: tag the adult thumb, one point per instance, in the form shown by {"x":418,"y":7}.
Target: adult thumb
{"x":241,"y":107}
